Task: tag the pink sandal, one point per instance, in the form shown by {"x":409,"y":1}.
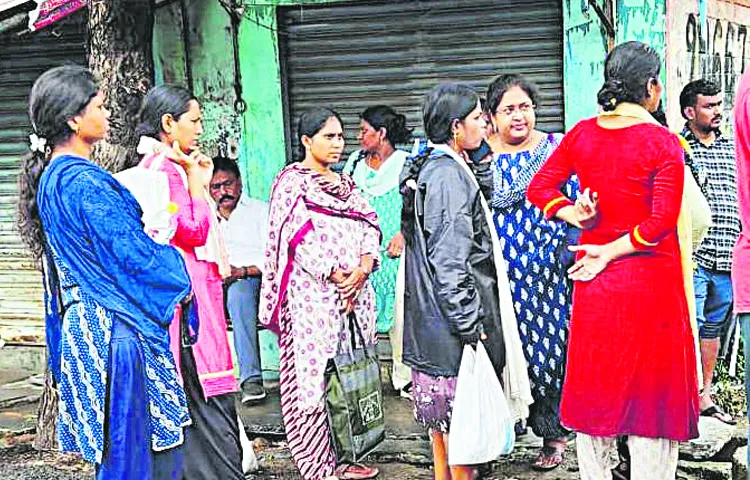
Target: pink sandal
{"x":355,"y":471}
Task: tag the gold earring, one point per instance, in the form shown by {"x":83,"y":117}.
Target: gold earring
{"x":75,"y":129}
{"x":456,"y":140}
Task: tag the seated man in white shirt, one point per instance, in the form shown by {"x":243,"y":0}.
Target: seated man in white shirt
{"x":244,"y":226}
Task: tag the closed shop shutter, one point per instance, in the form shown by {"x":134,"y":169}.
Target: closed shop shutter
{"x":22,"y":59}
{"x":351,"y":56}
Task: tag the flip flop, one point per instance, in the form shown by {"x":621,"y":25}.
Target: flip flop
{"x":356,"y":471}
{"x":720,"y":415}
{"x":549,"y":459}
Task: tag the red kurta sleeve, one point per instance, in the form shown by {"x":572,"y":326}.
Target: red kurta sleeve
{"x":545,"y":188}
{"x":669,"y":178}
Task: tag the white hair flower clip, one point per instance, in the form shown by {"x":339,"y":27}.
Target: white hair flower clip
{"x":38,"y":144}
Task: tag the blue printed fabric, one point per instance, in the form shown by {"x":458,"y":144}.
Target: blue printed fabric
{"x":100,"y":268}
{"x":532,"y":247}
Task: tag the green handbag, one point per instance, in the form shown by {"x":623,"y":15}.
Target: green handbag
{"x":354,"y":399}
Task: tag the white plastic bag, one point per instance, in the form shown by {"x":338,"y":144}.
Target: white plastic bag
{"x":150,"y":187}
{"x":249,"y":460}
{"x":481,"y":425}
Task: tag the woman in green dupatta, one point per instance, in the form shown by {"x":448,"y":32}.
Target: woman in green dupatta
{"x":375,"y":168}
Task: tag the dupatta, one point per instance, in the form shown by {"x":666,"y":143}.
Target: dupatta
{"x":297,"y":191}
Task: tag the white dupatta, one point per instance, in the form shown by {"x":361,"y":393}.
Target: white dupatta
{"x":517,"y":387}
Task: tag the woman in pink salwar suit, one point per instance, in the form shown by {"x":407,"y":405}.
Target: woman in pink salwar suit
{"x":212,"y":447}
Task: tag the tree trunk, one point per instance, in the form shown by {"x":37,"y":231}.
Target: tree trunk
{"x":46,"y":417}
{"x":120,"y":52}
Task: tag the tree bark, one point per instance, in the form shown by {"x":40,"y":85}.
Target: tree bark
{"x":120,"y":52}
{"x":46,"y":416}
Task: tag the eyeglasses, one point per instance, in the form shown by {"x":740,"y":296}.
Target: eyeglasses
{"x":509,"y":110}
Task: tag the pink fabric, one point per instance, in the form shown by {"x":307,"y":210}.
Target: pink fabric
{"x":306,"y":244}
{"x":741,"y":257}
{"x":213,"y":357}
{"x":50,"y":11}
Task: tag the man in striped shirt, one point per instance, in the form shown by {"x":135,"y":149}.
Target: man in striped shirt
{"x":713,"y":164}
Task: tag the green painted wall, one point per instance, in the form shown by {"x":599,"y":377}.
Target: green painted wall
{"x":263,"y":151}
{"x":586,"y":48}
{"x":208,"y":57}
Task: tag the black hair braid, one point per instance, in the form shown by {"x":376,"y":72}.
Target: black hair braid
{"x":360,"y":156}
{"x":29,"y":223}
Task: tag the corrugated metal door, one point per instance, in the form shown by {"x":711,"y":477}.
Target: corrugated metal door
{"x":351,"y":56}
{"x":22,"y":60}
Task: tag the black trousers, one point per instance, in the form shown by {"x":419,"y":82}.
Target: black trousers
{"x":212,"y":444}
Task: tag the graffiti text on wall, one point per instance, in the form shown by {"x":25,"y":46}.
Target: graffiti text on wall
{"x":717,"y":50}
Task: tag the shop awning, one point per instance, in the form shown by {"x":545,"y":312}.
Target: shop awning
{"x":50,"y":11}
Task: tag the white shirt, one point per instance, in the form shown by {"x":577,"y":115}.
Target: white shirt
{"x":246,"y":233}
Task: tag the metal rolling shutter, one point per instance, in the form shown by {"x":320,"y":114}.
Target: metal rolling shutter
{"x":22,"y":60}
{"x":351,"y":56}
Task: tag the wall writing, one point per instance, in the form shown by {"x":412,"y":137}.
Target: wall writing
{"x":717,"y":51}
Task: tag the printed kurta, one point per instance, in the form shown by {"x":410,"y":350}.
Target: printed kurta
{"x":380,"y":189}
{"x":101,"y":269}
{"x":631,"y":366}
{"x":325,"y":241}
{"x":532,"y":247}
{"x":315,"y":227}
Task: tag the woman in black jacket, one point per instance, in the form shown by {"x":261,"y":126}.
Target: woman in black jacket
{"x":451,"y":294}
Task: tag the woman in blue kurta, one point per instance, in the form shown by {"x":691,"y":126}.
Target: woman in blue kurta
{"x":110,"y":291}
{"x":535,"y":251}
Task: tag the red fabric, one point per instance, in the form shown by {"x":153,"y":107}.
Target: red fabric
{"x":741,"y":256}
{"x":631,"y":360}
{"x":213,"y":357}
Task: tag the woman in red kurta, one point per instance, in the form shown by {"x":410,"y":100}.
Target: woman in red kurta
{"x":631,"y":362}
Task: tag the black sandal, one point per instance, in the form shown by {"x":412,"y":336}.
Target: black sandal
{"x":715,"y":412}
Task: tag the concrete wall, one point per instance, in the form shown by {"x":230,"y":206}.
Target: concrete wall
{"x":205,"y":64}
{"x":586,"y":47}
{"x":706,"y":39}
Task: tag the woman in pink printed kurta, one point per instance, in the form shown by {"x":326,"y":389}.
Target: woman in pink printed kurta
{"x":319,"y":227}
{"x":212,"y":447}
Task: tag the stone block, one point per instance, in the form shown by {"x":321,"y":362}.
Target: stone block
{"x":714,"y":436}
{"x":691,"y":470}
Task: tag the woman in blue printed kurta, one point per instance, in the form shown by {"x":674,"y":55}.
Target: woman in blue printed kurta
{"x":535,"y":251}
{"x":110,"y":291}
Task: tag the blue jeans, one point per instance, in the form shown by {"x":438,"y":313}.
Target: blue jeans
{"x":713,"y":301}
{"x":744,"y":319}
{"x":243,"y":297}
